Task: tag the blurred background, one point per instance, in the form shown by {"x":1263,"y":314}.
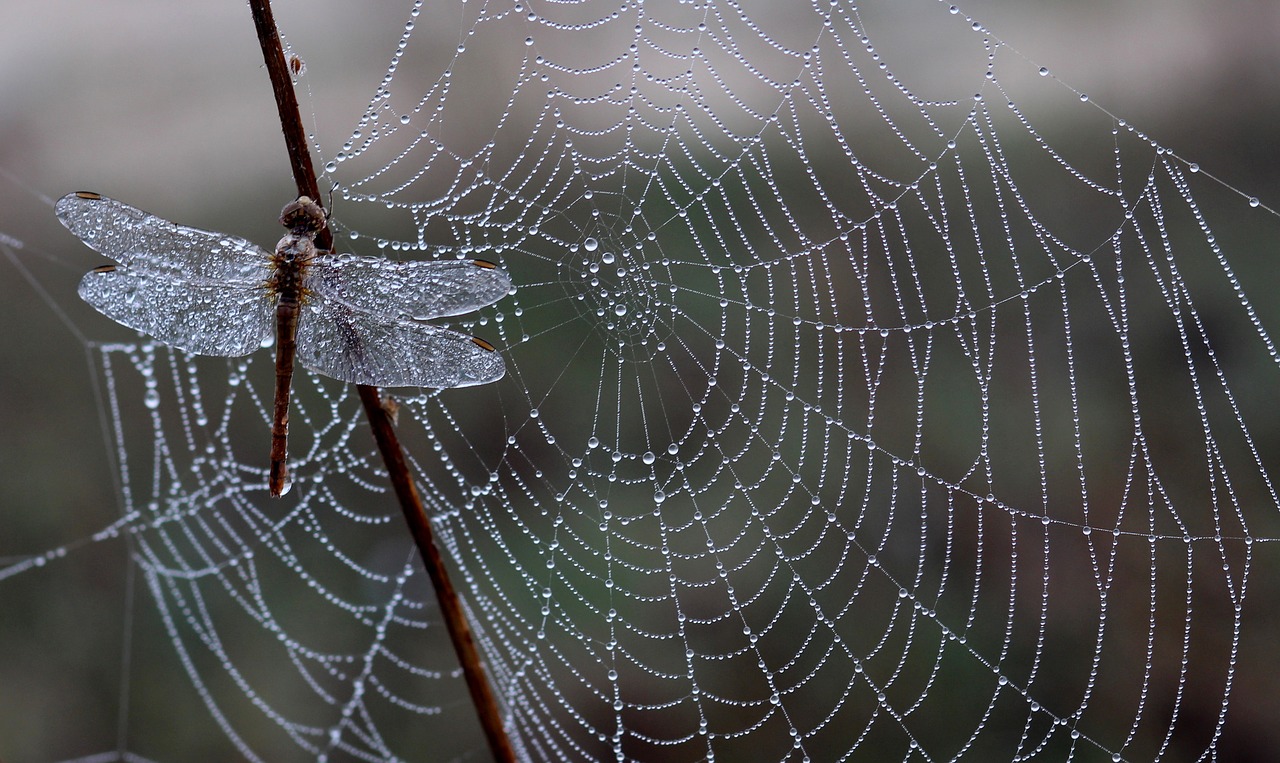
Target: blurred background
{"x":167,"y":105}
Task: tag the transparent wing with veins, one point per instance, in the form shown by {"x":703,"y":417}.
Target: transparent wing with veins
{"x":361,"y":321}
{"x":363,"y":348}
{"x":415,"y":289}
{"x":361,"y":318}
{"x":203,"y":318}
{"x":144,"y":243}
{"x":199,"y":291}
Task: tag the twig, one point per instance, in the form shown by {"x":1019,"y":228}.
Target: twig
{"x":383,"y":432}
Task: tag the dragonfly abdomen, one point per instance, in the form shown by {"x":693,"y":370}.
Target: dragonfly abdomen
{"x":292,"y":258}
{"x":286,"y":348}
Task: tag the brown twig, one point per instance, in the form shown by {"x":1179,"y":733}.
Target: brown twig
{"x":383,"y":432}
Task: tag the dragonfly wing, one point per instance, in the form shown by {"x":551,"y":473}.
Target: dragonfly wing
{"x":206,"y":319}
{"x":421,"y":289}
{"x":364,"y":348}
{"x":144,"y":243}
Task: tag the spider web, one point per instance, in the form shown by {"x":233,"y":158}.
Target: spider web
{"x":853,"y":411}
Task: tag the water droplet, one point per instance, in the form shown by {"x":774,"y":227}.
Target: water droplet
{"x":151,"y":399}
{"x":591,"y":245}
{"x":648,"y":457}
{"x":620,"y":309}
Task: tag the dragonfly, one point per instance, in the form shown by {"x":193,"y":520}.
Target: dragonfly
{"x":353,"y":318}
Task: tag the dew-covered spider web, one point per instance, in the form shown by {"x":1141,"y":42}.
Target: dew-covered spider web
{"x":871,"y":395}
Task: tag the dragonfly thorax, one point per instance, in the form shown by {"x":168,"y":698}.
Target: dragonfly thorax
{"x":293,"y":249}
{"x":289,"y":264}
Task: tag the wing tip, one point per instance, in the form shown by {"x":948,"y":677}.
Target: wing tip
{"x":78,"y":196}
{"x":66,"y":206}
{"x":496,"y":274}
{"x":493,"y":370}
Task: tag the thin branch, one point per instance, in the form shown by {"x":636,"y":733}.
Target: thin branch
{"x":304,"y":173}
{"x":379,"y":421}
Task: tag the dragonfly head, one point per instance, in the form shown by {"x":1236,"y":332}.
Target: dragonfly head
{"x":303,"y":217}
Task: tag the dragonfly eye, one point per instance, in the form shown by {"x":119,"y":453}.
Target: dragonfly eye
{"x":303,"y":216}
